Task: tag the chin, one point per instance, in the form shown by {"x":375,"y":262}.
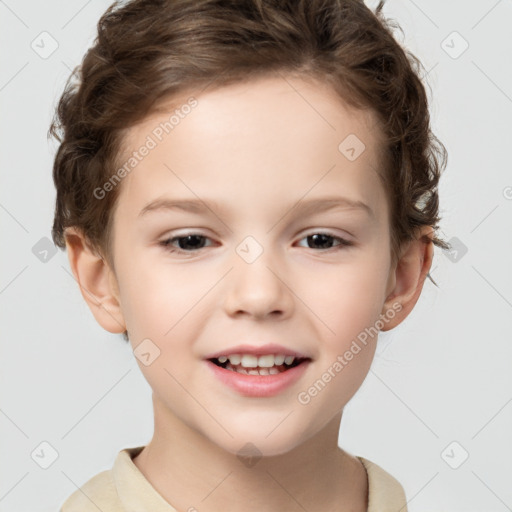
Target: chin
{"x":250,"y":447}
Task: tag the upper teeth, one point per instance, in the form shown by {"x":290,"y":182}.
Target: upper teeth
{"x":252,"y":361}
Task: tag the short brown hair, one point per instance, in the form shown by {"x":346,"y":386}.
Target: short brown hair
{"x":147,"y":51}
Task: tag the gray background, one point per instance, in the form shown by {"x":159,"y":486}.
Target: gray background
{"x":440,"y":387}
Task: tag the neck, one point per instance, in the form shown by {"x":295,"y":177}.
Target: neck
{"x":191,"y":472}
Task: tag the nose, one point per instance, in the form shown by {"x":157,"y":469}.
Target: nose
{"x":258,"y":289}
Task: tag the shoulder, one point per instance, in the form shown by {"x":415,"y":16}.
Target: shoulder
{"x":385,"y":493}
{"x":97,"y":493}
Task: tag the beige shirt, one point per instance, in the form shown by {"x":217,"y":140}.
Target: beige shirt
{"x":125,"y":489}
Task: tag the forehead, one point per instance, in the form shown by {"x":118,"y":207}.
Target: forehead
{"x":272,"y":139}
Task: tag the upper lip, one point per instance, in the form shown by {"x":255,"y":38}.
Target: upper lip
{"x":260,"y":350}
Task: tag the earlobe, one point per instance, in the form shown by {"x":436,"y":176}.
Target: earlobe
{"x":409,"y":276}
{"x":96,"y":281}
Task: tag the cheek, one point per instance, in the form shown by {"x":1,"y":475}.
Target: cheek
{"x":350,"y":299}
{"x":164,"y":306}
{"x":155,"y":297}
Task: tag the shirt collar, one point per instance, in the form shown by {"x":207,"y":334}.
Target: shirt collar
{"x":138,"y":495}
{"x":134,"y":490}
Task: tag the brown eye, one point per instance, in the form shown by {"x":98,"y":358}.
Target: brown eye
{"x":188,"y":243}
{"x":324,"y":241}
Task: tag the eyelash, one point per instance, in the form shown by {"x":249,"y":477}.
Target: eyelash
{"x":166,"y":244}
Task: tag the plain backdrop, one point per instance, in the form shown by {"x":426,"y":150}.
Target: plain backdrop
{"x":436,"y":408}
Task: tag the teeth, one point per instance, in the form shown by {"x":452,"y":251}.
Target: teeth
{"x":254,"y":371}
{"x":265,"y":361}
{"x":250,"y":364}
{"x":248,"y":361}
{"x":235,"y":359}
{"x":279,"y":360}
{"x":288,"y":359}
{"x":252,"y":361}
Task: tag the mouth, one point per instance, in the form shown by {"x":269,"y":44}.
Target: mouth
{"x":262,"y":365}
{"x":258,"y":377}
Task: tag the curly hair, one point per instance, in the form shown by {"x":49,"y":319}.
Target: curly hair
{"x":148,"y":51}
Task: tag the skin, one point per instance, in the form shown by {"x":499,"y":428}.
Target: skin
{"x":257,"y":149}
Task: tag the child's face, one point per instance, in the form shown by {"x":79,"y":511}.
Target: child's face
{"x":255,"y":150}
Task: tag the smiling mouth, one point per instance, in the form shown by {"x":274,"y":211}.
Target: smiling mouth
{"x":259,"y":370}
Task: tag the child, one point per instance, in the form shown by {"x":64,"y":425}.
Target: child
{"x":290,"y":140}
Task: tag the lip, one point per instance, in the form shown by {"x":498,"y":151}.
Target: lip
{"x":262,"y":350}
{"x":259,"y":385}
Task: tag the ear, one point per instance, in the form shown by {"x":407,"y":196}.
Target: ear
{"x":407,"y":277}
{"x":96,"y":280}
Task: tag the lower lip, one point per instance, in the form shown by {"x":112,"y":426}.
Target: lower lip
{"x":259,"y":385}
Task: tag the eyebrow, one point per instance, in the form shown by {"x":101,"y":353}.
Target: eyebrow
{"x":307,"y":207}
